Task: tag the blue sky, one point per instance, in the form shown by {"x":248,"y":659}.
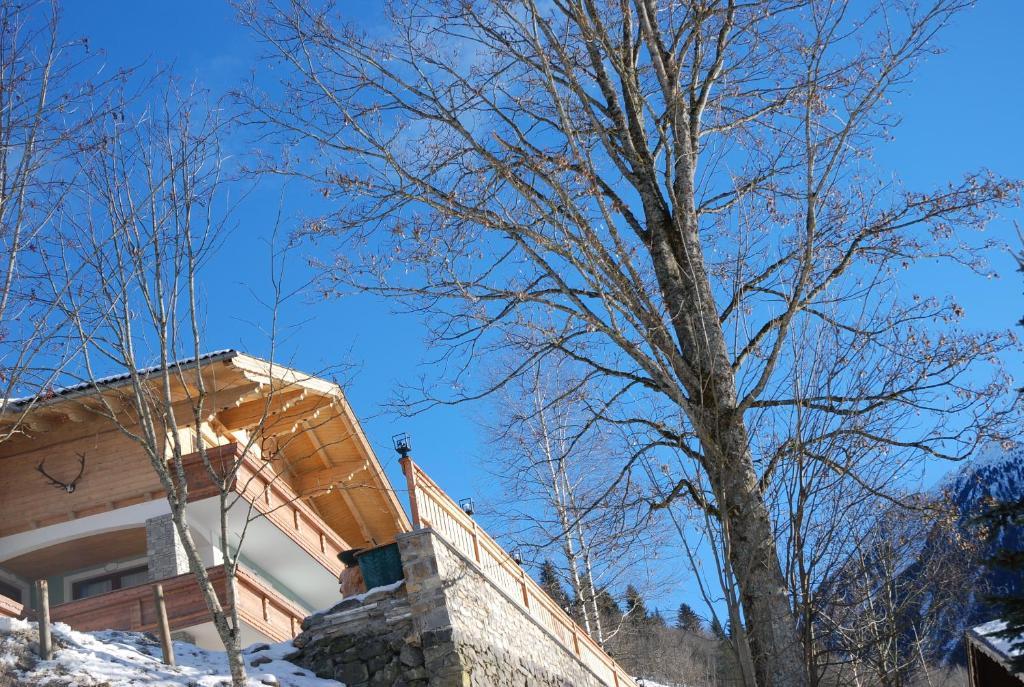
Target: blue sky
{"x":963,"y":112}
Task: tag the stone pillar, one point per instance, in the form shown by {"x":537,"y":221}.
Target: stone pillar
{"x":427,"y":587}
{"x":164,"y":549}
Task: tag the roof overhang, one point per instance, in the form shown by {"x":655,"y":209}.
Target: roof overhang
{"x":302,"y":418}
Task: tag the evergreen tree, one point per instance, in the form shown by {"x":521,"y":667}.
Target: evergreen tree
{"x":656,"y":619}
{"x":717,"y":630}
{"x":609,"y":609}
{"x":550,"y":583}
{"x":636,"y":608}
{"x":1003,"y":519}
{"x":688,"y":620}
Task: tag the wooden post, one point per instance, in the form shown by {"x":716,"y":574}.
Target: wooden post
{"x":972,"y":680}
{"x":45,"y":643}
{"x":476,"y":543}
{"x":409,"y":468}
{"x":526,"y":591}
{"x":163,"y":627}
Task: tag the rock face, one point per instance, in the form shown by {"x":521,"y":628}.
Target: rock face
{"x":445,"y":625}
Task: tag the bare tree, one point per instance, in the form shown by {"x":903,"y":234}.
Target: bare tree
{"x":562,"y":499}
{"x":155,"y":208}
{"x":894,"y":604}
{"x":681,"y":186}
{"x":47,"y":101}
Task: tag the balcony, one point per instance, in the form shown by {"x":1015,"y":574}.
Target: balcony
{"x":270,"y":496}
{"x":264,"y":613}
{"x":10,"y":608}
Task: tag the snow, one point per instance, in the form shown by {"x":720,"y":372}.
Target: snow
{"x":383,"y":589}
{"x":1000,"y":644}
{"x":119,"y":659}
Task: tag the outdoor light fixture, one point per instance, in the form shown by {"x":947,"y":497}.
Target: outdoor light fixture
{"x":517,"y":555}
{"x":467,"y":506}
{"x":403,"y":444}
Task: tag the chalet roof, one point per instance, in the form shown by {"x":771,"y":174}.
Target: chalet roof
{"x":986,"y":631}
{"x":85,"y":388}
{"x":308,"y":420}
{"x":1002,"y":650}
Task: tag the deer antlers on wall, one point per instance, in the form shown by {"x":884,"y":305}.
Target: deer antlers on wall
{"x":69,"y":487}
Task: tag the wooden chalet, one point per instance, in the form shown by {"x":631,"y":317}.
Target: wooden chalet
{"x":307,"y":474}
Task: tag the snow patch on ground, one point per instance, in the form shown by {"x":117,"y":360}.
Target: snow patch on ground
{"x":119,"y":659}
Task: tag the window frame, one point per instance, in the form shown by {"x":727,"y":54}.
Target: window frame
{"x":73,"y":584}
{"x":18,"y":586}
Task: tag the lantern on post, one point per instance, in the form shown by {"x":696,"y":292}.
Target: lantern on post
{"x":403,"y":444}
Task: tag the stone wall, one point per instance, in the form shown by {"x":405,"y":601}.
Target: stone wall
{"x":488,"y":640}
{"x":446,"y":626}
{"x":367,"y":640}
{"x":165,"y":553}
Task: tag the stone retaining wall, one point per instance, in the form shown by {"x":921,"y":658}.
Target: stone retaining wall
{"x":447,"y":625}
{"x":364,"y":641}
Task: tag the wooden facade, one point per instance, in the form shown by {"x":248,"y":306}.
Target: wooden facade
{"x":27,"y":502}
{"x":304,"y":467}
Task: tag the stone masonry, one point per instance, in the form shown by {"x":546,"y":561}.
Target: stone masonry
{"x":446,"y":626}
{"x":164,"y":551}
{"x":369,"y":640}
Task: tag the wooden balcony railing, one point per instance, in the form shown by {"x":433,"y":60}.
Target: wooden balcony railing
{"x":432,"y":508}
{"x":133,"y":608}
{"x":271,"y":496}
{"x":10,"y":608}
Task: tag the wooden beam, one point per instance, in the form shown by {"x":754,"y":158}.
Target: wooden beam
{"x":321,"y":480}
{"x":37,"y":422}
{"x":249,"y":414}
{"x":301,"y":414}
{"x":318,"y":447}
{"x":35,"y":439}
{"x":78,"y":413}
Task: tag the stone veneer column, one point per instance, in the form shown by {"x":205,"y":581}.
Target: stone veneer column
{"x":164,"y":549}
{"x":426,"y":585}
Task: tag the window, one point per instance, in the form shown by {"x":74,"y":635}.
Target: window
{"x":109,"y":582}
{"x":10,"y":591}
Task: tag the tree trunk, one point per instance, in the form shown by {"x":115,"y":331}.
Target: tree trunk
{"x":771,"y":626}
{"x":712,"y":406}
{"x":227,"y":631}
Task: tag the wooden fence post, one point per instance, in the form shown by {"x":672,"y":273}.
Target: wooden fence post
{"x":526,"y":591}
{"x":409,"y":468}
{"x":476,"y":543}
{"x":45,"y":643}
{"x":163,"y":627}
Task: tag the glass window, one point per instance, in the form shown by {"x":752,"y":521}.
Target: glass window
{"x":10,"y":591}
{"x":108,"y":582}
{"x":92,"y":587}
{"x":133,"y":577}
